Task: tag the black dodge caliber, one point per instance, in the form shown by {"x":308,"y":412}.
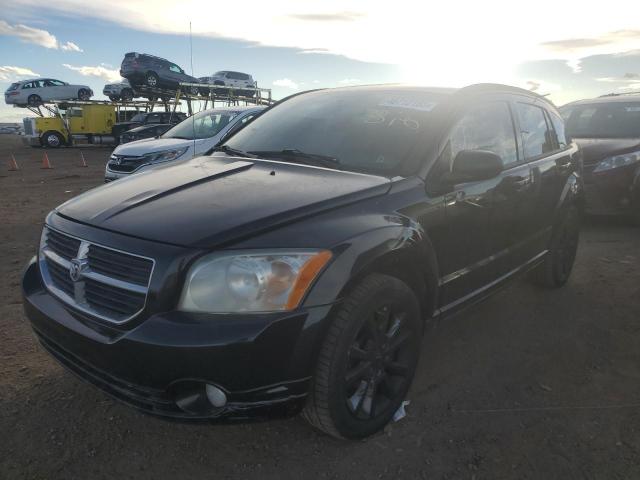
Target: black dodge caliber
{"x":293,"y":269}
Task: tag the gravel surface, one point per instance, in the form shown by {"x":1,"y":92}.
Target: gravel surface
{"x":531,"y":384}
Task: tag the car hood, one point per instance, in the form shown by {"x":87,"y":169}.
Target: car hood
{"x":210,"y":201}
{"x":142,"y":128}
{"x":596,"y":149}
{"x":149,"y":145}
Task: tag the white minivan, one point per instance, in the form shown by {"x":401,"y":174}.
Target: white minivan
{"x":188,"y":139}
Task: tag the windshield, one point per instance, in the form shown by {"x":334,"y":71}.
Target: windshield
{"x":202,"y":125}
{"x":603,"y":120}
{"x":140,"y":117}
{"x":373,"y":131}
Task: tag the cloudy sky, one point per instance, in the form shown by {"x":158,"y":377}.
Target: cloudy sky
{"x":570,"y":50}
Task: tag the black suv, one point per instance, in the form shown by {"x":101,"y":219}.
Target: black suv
{"x":149,"y":120}
{"x":144,"y":70}
{"x":608,"y":131}
{"x":295,"y":268}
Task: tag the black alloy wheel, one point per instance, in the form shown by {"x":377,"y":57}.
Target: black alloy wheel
{"x":367,"y":360}
{"x":558,"y":264}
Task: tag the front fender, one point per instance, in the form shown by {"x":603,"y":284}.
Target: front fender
{"x":404,"y":243}
{"x":572,"y":194}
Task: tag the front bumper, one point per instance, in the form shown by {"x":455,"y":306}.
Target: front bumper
{"x":263,"y":362}
{"x":615,"y":191}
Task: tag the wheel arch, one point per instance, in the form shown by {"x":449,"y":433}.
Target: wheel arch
{"x":572,"y":194}
{"x":404,"y":252}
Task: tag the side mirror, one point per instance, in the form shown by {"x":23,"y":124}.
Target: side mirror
{"x":474,"y":166}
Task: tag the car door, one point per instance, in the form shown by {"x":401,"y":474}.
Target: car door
{"x":551,"y":170}
{"x":466,"y":258}
{"x":62,"y":90}
{"x":39,"y":89}
{"x":176,"y":74}
{"x":515,"y":196}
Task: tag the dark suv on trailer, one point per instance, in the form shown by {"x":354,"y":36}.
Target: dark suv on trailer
{"x":152,"y":72}
{"x":294,"y":268}
{"x":608,"y":131}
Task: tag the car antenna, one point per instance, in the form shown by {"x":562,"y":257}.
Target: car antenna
{"x":193,"y":120}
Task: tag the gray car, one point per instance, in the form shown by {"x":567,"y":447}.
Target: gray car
{"x":36,"y":91}
{"x":119,"y":91}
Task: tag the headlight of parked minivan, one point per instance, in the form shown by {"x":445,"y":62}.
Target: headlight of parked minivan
{"x":617,"y":161}
{"x":251,"y":282}
{"x":165,"y":156}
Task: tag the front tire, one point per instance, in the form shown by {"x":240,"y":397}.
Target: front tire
{"x":114,"y":98}
{"x":52,"y":140}
{"x":556,"y":268}
{"x":367,"y":359}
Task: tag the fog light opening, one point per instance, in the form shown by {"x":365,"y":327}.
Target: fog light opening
{"x":216,"y":396}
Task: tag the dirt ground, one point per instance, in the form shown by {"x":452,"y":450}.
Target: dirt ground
{"x":531,"y":384}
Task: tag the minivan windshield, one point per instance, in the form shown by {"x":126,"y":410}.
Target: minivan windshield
{"x":201,"y":125}
{"x":603,"y":120}
{"x":368,"y":130}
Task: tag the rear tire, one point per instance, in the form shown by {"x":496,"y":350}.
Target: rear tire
{"x":367,"y":359}
{"x":556,"y":268}
{"x":84,"y":94}
{"x":34,"y":100}
{"x":52,"y":140}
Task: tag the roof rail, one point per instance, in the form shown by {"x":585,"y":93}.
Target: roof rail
{"x":619,"y":94}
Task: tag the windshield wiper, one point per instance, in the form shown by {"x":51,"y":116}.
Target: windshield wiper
{"x":234,"y":152}
{"x":298,"y":156}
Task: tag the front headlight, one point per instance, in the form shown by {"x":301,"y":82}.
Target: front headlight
{"x":251,"y":282}
{"x":165,"y":155}
{"x":617,"y":161}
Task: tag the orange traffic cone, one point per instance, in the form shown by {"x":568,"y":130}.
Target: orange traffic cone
{"x":83,"y":162}
{"x":13,"y":165}
{"x":45,"y":161}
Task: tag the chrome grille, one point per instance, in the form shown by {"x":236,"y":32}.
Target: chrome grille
{"x":101,"y":281}
{"x":126,"y":164}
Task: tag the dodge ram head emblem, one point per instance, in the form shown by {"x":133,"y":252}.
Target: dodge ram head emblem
{"x":75,"y":269}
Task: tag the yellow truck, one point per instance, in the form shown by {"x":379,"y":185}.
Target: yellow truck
{"x":75,"y":123}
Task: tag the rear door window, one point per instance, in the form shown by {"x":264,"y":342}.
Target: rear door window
{"x":559,"y":130}
{"x":536,"y":137}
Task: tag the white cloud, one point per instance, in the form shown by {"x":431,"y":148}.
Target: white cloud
{"x":442,"y":43}
{"x":349,"y":81}
{"x":36,"y":36}
{"x":71,"y":47}
{"x":541,"y":87}
{"x":286,"y":83}
{"x":29,"y":34}
{"x":629,"y":81}
{"x":9,"y":73}
{"x":97,"y":71}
